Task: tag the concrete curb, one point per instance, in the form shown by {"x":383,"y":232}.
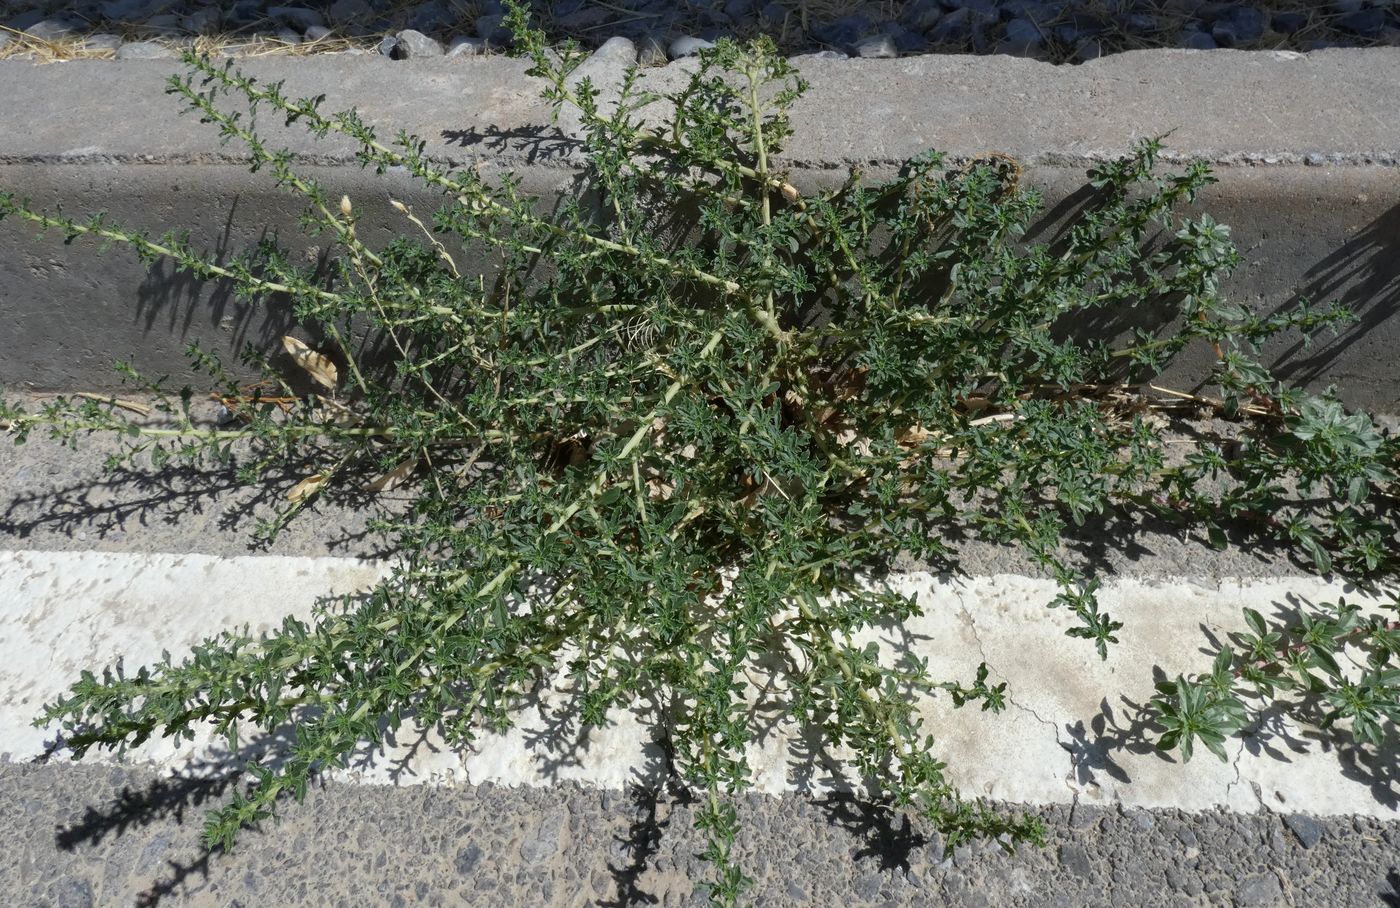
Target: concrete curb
{"x":1306,"y":149}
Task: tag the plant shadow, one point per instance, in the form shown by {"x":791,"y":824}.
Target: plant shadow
{"x":1363,"y":274}
{"x":1278,"y":730}
{"x":167,"y":798}
{"x":129,"y":500}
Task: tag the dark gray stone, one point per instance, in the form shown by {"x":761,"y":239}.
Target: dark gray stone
{"x":102,"y":41}
{"x":1140,"y":24}
{"x":1308,"y":830}
{"x":414,"y":44}
{"x":490,"y":28}
{"x":317,"y":33}
{"x":740,"y":10}
{"x":544,"y":842}
{"x":844,"y":32}
{"x":431,"y":17}
{"x":1287,"y":23}
{"x":467,"y":859}
{"x":297,"y":16}
{"x":73,"y":892}
{"x":1140,"y":818}
{"x":958,"y":26}
{"x":350,"y":10}
{"x":867,"y":886}
{"x":52,"y":29}
{"x":1026,"y":9}
{"x":1244,"y":25}
{"x":1366,"y":22}
{"x":773,"y":14}
{"x":130,"y":10}
{"x":1198,"y":41}
{"x":1022,"y":37}
{"x":688,"y":46}
{"x":245,"y":12}
{"x":1084,"y":816}
{"x":922,"y":15}
{"x":585,"y":18}
{"x":201,"y":21}
{"x":164,"y":26}
{"x":1259,"y":891}
{"x":1075,"y":859}
{"x":906,"y":40}
{"x":981,"y":6}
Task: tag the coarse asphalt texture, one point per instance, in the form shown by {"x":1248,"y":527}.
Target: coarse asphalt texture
{"x":80,"y":836}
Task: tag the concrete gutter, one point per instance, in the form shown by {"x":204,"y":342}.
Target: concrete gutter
{"x":1072,"y":733}
{"x":1306,"y":148}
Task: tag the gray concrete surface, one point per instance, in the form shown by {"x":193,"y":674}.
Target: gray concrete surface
{"x":1305,"y":148}
{"x":80,"y":836}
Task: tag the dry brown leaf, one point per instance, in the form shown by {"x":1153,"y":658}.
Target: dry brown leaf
{"x":913,"y":436}
{"x":319,"y":367}
{"x":394,"y":478}
{"x":659,"y":490}
{"x":307,"y":487}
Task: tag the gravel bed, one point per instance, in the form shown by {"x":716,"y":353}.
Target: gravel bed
{"x":1060,"y":31}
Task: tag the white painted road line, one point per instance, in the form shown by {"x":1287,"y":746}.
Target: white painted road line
{"x":1066,"y":735}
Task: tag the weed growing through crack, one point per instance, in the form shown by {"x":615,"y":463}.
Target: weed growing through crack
{"x":655,"y":465}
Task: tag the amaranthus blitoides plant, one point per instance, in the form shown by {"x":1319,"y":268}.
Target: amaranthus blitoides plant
{"x":656,"y":463}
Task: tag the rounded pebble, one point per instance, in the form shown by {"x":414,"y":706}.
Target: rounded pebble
{"x":688,"y":46}
{"x":616,"y":50}
{"x":877,"y":47}
{"x":413,"y":44}
{"x":51,"y":29}
{"x":102,"y":42}
{"x":466,"y":46}
{"x":298,"y":16}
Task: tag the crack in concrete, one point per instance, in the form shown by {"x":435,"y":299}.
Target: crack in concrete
{"x":971,"y":622}
{"x":1254,"y":786}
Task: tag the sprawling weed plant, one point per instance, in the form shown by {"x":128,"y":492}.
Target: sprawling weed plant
{"x":654,"y":464}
